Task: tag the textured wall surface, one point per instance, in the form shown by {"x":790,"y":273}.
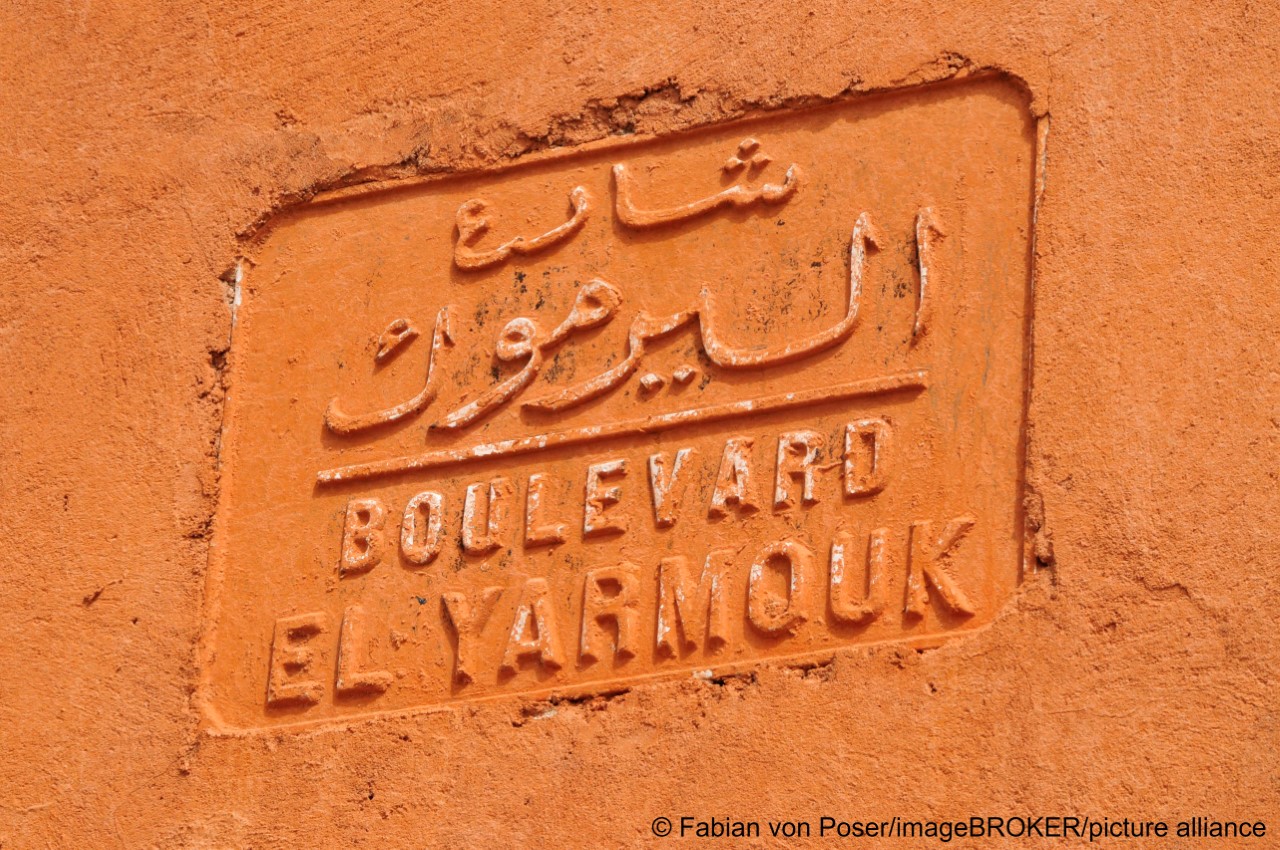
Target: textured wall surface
{"x":1132,"y":674}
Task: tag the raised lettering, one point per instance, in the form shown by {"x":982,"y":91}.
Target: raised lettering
{"x":600,"y":498}
{"x":691,"y":614}
{"x":468,"y":621}
{"x":420,"y":529}
{"x":363,"y":537}
{"x":867,"y":444}
{"x":353,"y":652}
{"x":797,"y":459}
{"x":536,"y":531}
{"x":291,"y":659}
{"x":926,"y":562}
{"x":668,"y":487}
{"x":610,"y":594}
{"x":733,"y":483}
{"x":845,"y":608}
{"x":474,"y":540}
{"x":533,"y":631}
{"x":768,"y":612}
{"x":543,"y":481}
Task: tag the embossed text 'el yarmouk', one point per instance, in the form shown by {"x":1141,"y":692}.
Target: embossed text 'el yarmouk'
{"x":646,"y":408}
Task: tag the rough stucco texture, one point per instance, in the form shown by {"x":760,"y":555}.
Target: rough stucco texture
{"x":1134,"y":671}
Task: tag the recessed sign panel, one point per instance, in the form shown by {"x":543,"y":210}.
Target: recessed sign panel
{"x":652,"y":407}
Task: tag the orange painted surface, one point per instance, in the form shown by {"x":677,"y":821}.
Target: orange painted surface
{"x":680,"y":434}
{"x":423,"y":427}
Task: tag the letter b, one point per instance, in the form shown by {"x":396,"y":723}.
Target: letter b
{"x":363,"y":537}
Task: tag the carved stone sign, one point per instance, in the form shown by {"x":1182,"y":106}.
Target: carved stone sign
{"x":648,"y":407}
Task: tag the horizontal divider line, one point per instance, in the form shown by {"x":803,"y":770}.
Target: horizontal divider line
{"x":648,"y":425}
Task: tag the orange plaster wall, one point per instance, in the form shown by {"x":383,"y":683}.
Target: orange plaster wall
{"x":1132,"y":674}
